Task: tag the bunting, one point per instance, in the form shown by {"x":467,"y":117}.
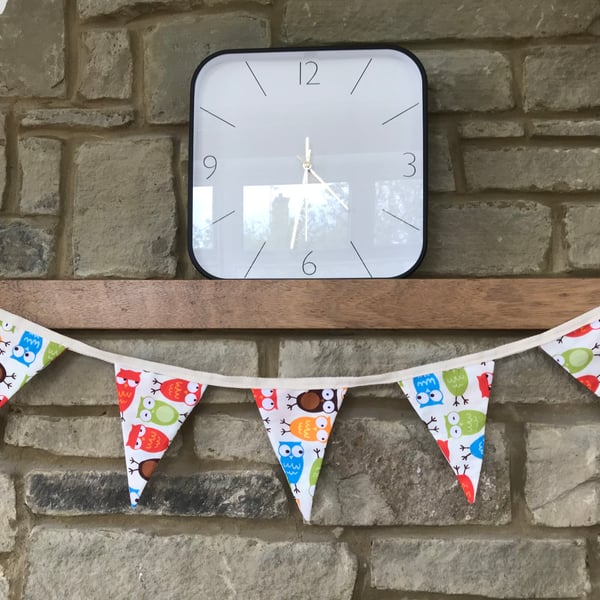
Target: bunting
{"x":451,"y":397}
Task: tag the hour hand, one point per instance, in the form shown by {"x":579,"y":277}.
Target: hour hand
{"x":327,"y":187}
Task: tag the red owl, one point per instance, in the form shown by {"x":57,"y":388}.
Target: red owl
{"x":148,"y":439}
{"x":127,"y":381}
{"x":3,"y":400}
{"x":266,"y":399}
{"x":179,"y":390}
{"x":485,"y":384}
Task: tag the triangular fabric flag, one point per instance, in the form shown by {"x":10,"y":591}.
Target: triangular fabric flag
{"x":453,"y":404}
{"x":153,"y":407}
{"x":22,"y":355}
{"x":299,"y":423}
{"x":578,"y":353}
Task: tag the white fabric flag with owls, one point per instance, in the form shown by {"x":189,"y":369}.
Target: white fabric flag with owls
{"x":153,"y":407}
{"x":299,"y":423}
{"x":23,"y":353}
{"x":578,"y":353}
{"x":453,"y":405}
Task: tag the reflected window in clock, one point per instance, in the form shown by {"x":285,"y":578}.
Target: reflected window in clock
{"x":398,"y":206}
{"x":203,"y":220}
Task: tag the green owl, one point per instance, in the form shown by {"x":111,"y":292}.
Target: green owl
{"x":575,"y":359}
{"x":464,"y":422}
{"x":4,"y":326}
{"x":457,"y":382}
{"x":52,"y":351}
{"x":157,"y":411}
{"x":314,"y":472}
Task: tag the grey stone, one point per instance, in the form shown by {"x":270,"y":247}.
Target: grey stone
{"x":560,"y":127}
{"x":40,"y":170}
{"x":533,"y":169}
{"x":127,"y":187}
{"x":380,"y":472}
{"x":562,"y":78}
{"x":2,"y":172}
{"x":107,"y":70}
{"x":324,"y":21}
{"x":497,"y":568}
{"x":235,"y":494}
{"x":581,"y":228}
{"x":561,"y":486}
{"x":74,"y":563}
{"x":89,"y":9}
{"x":483,"y":128}
{"x":32,"y":41}
{"x":173,"y":50}
{"x":70,"y":118}
{"x":8,"y":516}
{"x":468,"y":80}
{"x":3,"y":586}
{"x":441,"y":174}
{"x":482,"y":239}
{"x":26,"y":250}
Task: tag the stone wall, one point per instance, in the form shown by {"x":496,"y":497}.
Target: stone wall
{"x":93,"y":158}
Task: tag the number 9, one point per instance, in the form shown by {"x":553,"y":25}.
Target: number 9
{"x":210,"y":162}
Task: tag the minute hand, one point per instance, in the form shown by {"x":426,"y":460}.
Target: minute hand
{"x":327,"y":187}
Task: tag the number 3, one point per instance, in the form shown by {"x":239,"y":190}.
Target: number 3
{"x":411,"y":164}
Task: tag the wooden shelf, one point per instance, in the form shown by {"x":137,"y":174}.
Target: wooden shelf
{"x":528,"y":304}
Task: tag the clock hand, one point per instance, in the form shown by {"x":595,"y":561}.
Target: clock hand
{"x":297,"y":217}
{"x":327,"y":187}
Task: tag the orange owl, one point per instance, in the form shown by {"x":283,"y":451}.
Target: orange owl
{"x":309,"y":429}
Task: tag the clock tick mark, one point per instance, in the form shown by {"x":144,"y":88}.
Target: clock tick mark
{"x":223,"y":217}
{"x":361,"y":76}
{"x":400,"y":113}
{"x":255,"y":259}
{"x":361,"y":259}
{"x":217,"y":116}
{"x":256,"y":79}
{"x":387,"y":212}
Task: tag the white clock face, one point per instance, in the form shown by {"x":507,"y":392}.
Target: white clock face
{"x":308,"y":164}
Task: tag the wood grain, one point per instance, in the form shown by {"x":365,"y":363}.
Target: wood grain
{"x":528,"y":304}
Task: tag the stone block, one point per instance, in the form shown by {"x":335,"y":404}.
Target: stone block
{"x":2,"y":171}
{"x":3,"y":586}
{"x":562,"y":127}
{"x":483,"y":128}
{"x":106,"y":65}
{"x":173,"y":50}
{"x":98,"y":563}
{"x":40,"y":172}
{"x":324,"y":21}
{"x":26,"y":250}
{"x":32,"y":55}
{"x":562,"y":78}
{"x":8,"y":516}
{"x":72,"y":118}
{"x":581,"y":227}
{"x":467,"y":80}
{"x":90,"y":9}
{"x":137,"y":234}
{"x":497,"y":568}
{"x":562,"y":469}
{"x":533,"y":169}
{"x":441,"y":174}
{"x":501,"y":238}
{"x":234,"y":494}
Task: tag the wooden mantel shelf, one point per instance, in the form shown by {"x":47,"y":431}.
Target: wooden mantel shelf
{"x":529,"y":304}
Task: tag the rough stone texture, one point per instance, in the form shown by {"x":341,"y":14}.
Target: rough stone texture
{"x":60,"y":384}
{"x":3,"y":586}
{"x":32,"y":49}
{"x":73,"y":563}
{"x":40,"y":170}
{"x":127,"y":185}
{"x":482,"y":239}
{"x":441,"y":175}
{"x":107,"y":69}
{"x":581,"y":228}
{"x":562,"y":78}
{"x":235,"y":494}
{"x":173,"y":50}
{"x":533,"y":169}
{"x":102,"y":118}
{"x":467,"y":80}
{"x":89,"y":9}
{"x":2,"y":171}
{"x":560,"y":127}
{"x":507,"y":568}
{"x":26,"y":250}
{"x":8,"y":516}
{"x":324,"y":21}
{"x":483,"y":128}
{"x":562,"y":487}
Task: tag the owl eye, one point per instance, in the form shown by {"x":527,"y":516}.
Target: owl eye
{"x":267,"y":392}
{"x":149,"y":402}
{"x":436,"y":395}
{"x":18,"y":351}
{"x":321,"y":422}
{"x":121,"y":380}
{"x":6,"y":326}
{"x":193,"y":387}
{"x":327,"y":394}
{"x":322,"y":436}
{"x":422,"y":398}
{"x":456,"y":431}
{"x":29,"y":357}
{"x":329,"y":406}
{"x":268,"y":404}
{"x":595,"y":324}
{"x":453,"y":418}
{"x":132,"y":382}
{"x":142,"y":431}
{"x":285,"y":450}
{"x":560,"y":359}
{"x":138,"y":443}
{"x":297,"y":451}
{"x":190,"y":399}
{"x":146,"y":415}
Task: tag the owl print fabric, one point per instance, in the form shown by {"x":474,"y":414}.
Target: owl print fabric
{"x":453,"y":405}
{"x":299,"y":423}
{"x":153,"y":407}
{"x":22,"y":355}
{"x":578,"y":353}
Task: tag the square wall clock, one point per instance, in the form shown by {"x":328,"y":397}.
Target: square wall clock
{"x":308,"y":163}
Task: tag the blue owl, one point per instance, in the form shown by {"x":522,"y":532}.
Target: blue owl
{"x":291,"y":457}
{"x":475,"y":449}
{"x":27,"y":349}
{"x":428,"y":390}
